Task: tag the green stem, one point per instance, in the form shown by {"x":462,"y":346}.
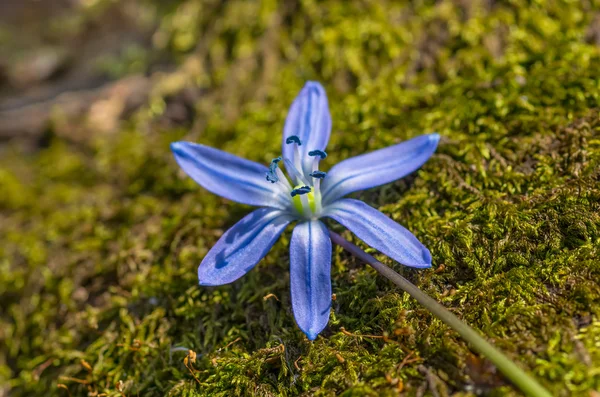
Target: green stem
{"x":526,"y":383}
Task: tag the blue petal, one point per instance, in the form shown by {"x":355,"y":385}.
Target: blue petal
{"x":227,"y":175}
{"x":380,"y":232}
{"x":378,"y":167}
{"x":310,"y":276}
{"x":242,"y":246}
{"x":309,"y":120}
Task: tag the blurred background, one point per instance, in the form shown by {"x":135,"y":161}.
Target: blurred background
{"x":101,"y":233}
{"x":87,"y":60}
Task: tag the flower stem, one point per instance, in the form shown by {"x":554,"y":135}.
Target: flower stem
{"x":526,"y":383}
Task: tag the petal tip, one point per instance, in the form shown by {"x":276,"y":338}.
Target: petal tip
{"x":214,"y":283}
{"x":315,"y":84}
{"x":426,"y":259}
{"x":205,"y":280}
{"x":177,"y":147}
{"x":434,"y":138}
{"x":313,"y":330}
{"x":314,"y":87}
{"x":210,"y":277}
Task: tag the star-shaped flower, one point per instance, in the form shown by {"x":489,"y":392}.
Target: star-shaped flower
{"x":305,"y":195}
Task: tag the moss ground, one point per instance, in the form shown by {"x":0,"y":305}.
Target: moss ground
{"x":100,"y":237}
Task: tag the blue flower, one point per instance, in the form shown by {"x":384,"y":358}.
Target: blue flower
{"x":305,"y":195}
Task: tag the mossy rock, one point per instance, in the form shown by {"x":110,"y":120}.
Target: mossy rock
{"x":100,"y":238}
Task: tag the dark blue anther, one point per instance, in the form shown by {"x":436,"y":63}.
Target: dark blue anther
{"x":300,"y":190}
{"x":319,"y":153}
{"x":293,"y":139}
{"x":272,"y":173}
{"x":318,"y":174}
{"x":272,"y":177}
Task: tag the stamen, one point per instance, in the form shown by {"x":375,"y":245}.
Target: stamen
{"x":296,"y":156}
{"x":302,"y":200}
{"x":293,"y":139}
{"x":272,"y":175}
{"x":319,"y":153}
{"x":318,"y":175}
{"x":276,"y":176}
{"x":301,"y":190}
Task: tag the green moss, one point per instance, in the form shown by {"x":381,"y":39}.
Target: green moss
{"x":100,"y":240}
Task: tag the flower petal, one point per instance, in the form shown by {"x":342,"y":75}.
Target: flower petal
{"x":242,"y":246}
{"x":380,"y":232}
{"x":378,"y":167}
{"x":310,"y":276}
{"x":227,"y":175}
{"x":309,"y":120}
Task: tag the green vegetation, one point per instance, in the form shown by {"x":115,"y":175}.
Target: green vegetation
{"x":101,"y":236}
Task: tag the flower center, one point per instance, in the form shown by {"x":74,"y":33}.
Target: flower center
{"x":297,"y":201}
{"x":305,"y":196}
